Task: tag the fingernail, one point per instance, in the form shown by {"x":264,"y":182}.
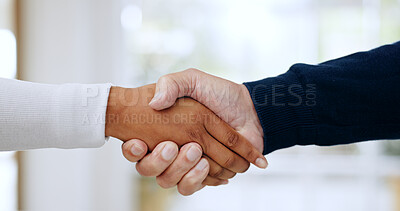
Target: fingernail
{"x":201,"y":165}
{"x":156,"y":97}
{"x":193,"y":153}
{"x":168,"y":152}
{"x":136,"y":150}
{"x":262,"y":163}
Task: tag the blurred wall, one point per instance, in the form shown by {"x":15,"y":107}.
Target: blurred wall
{"x":7,"y":14}
{"x":75,"y":41}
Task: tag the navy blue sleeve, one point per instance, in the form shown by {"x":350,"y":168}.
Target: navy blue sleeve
{"x":346,"y":100}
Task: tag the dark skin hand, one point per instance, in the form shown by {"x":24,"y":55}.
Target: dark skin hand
{"x":129,"y":117}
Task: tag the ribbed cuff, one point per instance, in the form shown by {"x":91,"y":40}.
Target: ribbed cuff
{"x":81,"y":114}
{"x":284,"y":111}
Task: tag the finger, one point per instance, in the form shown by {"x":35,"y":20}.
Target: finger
{"x":159,"y":160}
{"x":222,"y":155}
{"x":192,"y":181}
{"x":188,"y":156}
{"x":173,"y":86}
{"x":167,"y":91}
{"x":134,"y":150}
{"x":218,"y":171}
{"x":211,"y":181}
{"x":221,"y":131}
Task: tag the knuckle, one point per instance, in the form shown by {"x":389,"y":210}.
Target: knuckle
{"x":165,"y":78}
{"x":250,"y":154}
{"x":164,"y":182}
{"x":216,"y":172}
{"x":140,"y":170}
{"x":192,"y":70}
{"x":152,"y":167}
{"x":229,"y":162}
{"x":232,"y":139}
{"x":148,"y":170}
{"x":195,"y":135}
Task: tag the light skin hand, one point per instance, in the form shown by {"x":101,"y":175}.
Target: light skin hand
{"x":230,"y":101}
{"x":165,"y":153}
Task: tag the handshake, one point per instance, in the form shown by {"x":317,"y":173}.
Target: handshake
{"x":191,"y":129}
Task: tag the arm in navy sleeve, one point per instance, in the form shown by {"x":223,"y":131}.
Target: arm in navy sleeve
{"x":346,"y":100}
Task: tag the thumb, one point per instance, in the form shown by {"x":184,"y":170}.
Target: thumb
{"x":134,"y":150}
{"x":169,"y":88}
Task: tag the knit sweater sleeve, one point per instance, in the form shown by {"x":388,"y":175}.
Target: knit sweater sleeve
{"x":34,"y":115}
{"x":346,"y":100}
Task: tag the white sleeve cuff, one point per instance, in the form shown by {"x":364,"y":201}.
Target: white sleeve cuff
{"x":36,"y":115}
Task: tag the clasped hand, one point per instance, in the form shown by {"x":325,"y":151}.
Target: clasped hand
{"x":188,"y":124}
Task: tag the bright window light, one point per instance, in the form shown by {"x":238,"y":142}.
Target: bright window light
{"x":131,"y":17}
{"x":8,"y":54}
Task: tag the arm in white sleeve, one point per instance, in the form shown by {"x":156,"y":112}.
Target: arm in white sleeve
{"x":34,"y":115}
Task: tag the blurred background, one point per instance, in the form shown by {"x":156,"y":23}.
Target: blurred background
{"x":132,"y":42}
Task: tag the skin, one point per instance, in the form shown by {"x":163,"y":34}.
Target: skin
{"x":130,"y":116}
{"x":230,"y":101}
{"x":154,"y":164}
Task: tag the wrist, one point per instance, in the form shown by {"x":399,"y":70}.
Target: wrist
{"x":252,"y":115}
{"x":120,"y":101}
{"x":113,"y":111}
{"x":252,"y":118}
{"x":124,"y":104}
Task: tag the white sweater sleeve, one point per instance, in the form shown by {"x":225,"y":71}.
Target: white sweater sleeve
{"x":36,"y":115}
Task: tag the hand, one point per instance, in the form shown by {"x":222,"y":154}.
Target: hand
{"x":129,"y":116}
{"x":187,"y":172}
{"x":230,"y":101}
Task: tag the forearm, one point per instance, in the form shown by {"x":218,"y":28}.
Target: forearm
{"x":36,"y":115}
{"x":351,"y":99}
